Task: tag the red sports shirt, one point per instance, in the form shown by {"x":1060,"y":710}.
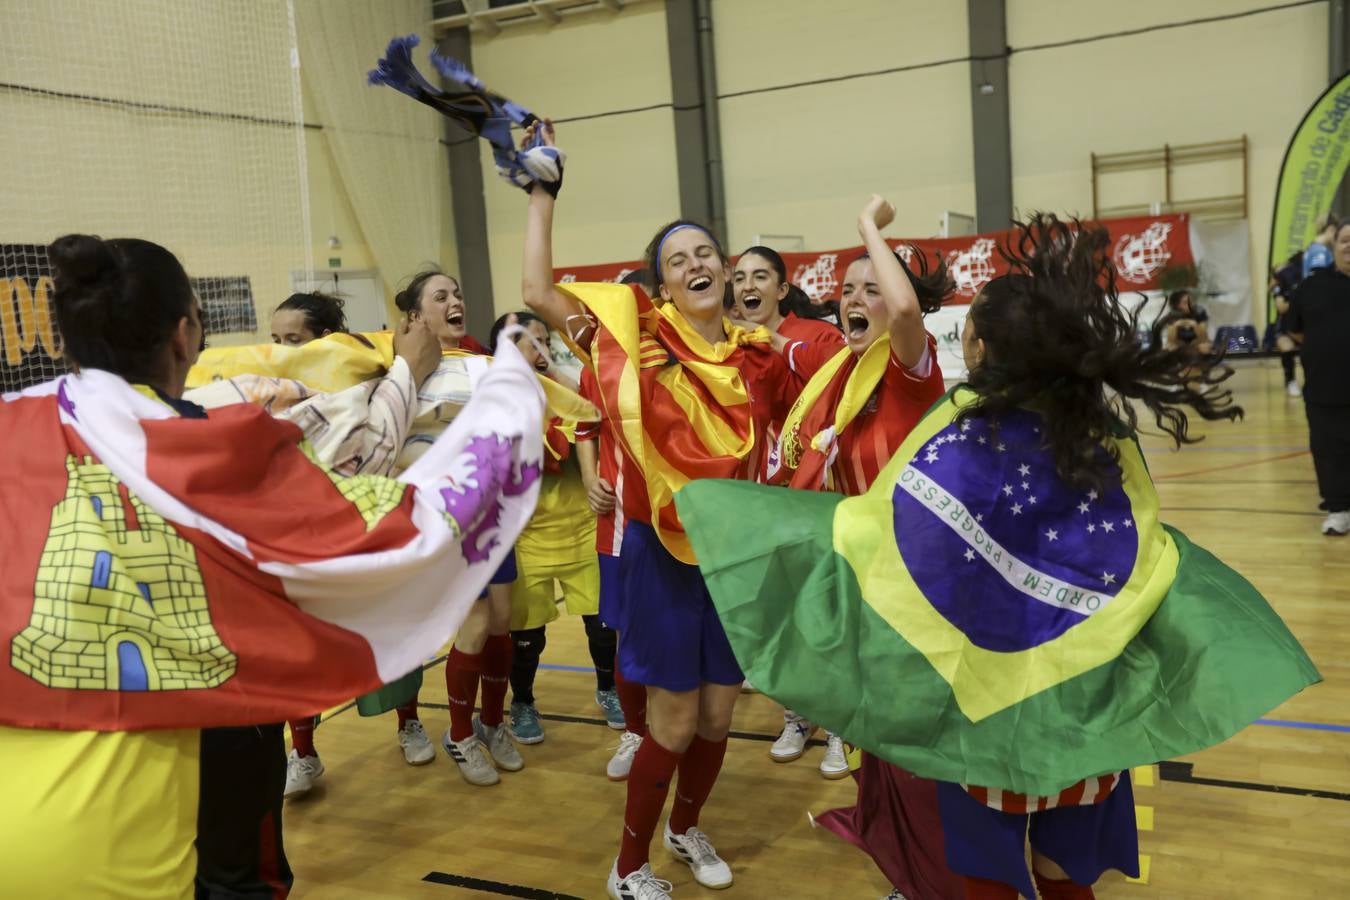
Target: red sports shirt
{"x":896,"y":406}
{"x":616,"y":469}
{"x":812,"y":331}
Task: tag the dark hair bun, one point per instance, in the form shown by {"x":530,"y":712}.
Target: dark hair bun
{"x":117,"y":303}
{"x":81,"y":258}
{"x":409,"y":299}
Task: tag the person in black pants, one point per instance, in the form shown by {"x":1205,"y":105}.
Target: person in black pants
{"x":240,"y":854}
{"x":1319,"y":317}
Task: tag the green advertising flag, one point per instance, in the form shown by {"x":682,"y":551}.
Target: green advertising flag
{"x":1311,"y":173}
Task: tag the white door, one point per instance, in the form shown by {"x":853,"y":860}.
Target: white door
{"x":360,"y":290}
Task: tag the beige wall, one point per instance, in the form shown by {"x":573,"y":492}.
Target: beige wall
{"x":331,"y":213}
{"x":621,"y":182}
{"x":802,"y":161}
{"x":798,"y":161}
{"x":1217,"y":81}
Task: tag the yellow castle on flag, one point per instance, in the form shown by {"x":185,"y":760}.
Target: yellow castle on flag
{"x":119,"y":602}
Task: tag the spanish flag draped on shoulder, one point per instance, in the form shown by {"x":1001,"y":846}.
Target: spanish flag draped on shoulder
{"x":974,"y":619}
{"x":169,"y":572}
{"x":680,"y":407}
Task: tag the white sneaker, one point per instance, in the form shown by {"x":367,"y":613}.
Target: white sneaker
{"x":475,"y":766}
{"x":894,"y":895}
{"x":835,"y":764}
{"x":499,"y":744}
{"x":417,"y":747}
{"x":621,"y":763}
{"x":301,"y":772}
{"x":1336,"y":524}
{"x":792,"y":742}
{"x":695,"y":850}
{"x":1293,"y":390}
{"x":639,"y":885}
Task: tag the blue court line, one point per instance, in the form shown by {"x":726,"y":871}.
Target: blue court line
{"x":1311,"y":726}
{"x":1278,"y":723}
{"x":558,"y":668}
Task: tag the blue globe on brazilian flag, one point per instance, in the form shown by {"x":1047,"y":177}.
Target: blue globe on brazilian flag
{"x":975,"y":619}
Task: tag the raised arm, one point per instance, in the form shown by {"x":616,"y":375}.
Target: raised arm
{"x":536,"y":283}
{"x":908,"y":338}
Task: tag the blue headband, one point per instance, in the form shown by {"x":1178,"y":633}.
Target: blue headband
{"x":660,"y":279}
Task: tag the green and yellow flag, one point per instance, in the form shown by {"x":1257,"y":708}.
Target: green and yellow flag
{"x":974,"y":619}
{"x":1314,"y":165}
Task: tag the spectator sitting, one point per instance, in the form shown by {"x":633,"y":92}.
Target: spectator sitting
{"x":1188,"y":327}
{"x":1283,"y":282}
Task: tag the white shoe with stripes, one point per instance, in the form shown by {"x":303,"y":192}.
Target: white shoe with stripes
{"x":639,"y":885}
{"x":695,"y":850}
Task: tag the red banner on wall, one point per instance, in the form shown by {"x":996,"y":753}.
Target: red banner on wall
{"x":1141,"y":247}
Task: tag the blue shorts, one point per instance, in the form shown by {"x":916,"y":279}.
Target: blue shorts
{"x":1084,"y":840}
{"x":611,"y":607}
{"x":505,"y":574}
{"x":670,"y":635}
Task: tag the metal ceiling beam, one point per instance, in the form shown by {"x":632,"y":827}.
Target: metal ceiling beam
{"x":698,"y":138}
{"x":468,"y":205}
{"x":479,"y":16}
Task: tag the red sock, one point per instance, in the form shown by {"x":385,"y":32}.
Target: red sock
{"x":302,"y":736}
{"x":1062,"y":890}
{"x":648,"y":784}
{"x":980,"y":889}
{"x":632,"y":700}
{"x":698,"y":773}
{"x":407,"y":712}
{"x":461,"y":683}
{"x":496,"y":675}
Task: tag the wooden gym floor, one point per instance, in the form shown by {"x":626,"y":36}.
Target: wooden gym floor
{"x":1266,"y":815}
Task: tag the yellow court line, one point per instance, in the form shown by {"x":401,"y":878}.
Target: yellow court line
{"x":1144,"y":861}
{"x":1144,"y":776}
{"x":1143,"y":816}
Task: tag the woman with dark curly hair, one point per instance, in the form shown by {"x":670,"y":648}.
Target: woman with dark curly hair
{"x":1051,"y":336}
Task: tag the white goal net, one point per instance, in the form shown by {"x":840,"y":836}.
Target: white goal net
{"x":177,"y":121}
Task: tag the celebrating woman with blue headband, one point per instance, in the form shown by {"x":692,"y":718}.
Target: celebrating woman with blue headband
{"x":692,"y":396}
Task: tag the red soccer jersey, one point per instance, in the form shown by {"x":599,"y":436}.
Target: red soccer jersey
{"x":812,"y":331}
{"x":773,"y":388}
{"x":811,"y":343}
{"x":870,"y":440}
{"x":470,"y":343}
{"x":616,"y":469}
{"x":896,"y":406}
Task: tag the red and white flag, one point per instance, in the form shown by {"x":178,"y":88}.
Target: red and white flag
{"x":169,"y":572}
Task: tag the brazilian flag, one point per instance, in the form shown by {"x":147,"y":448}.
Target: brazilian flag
{"x":974,"y":619}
